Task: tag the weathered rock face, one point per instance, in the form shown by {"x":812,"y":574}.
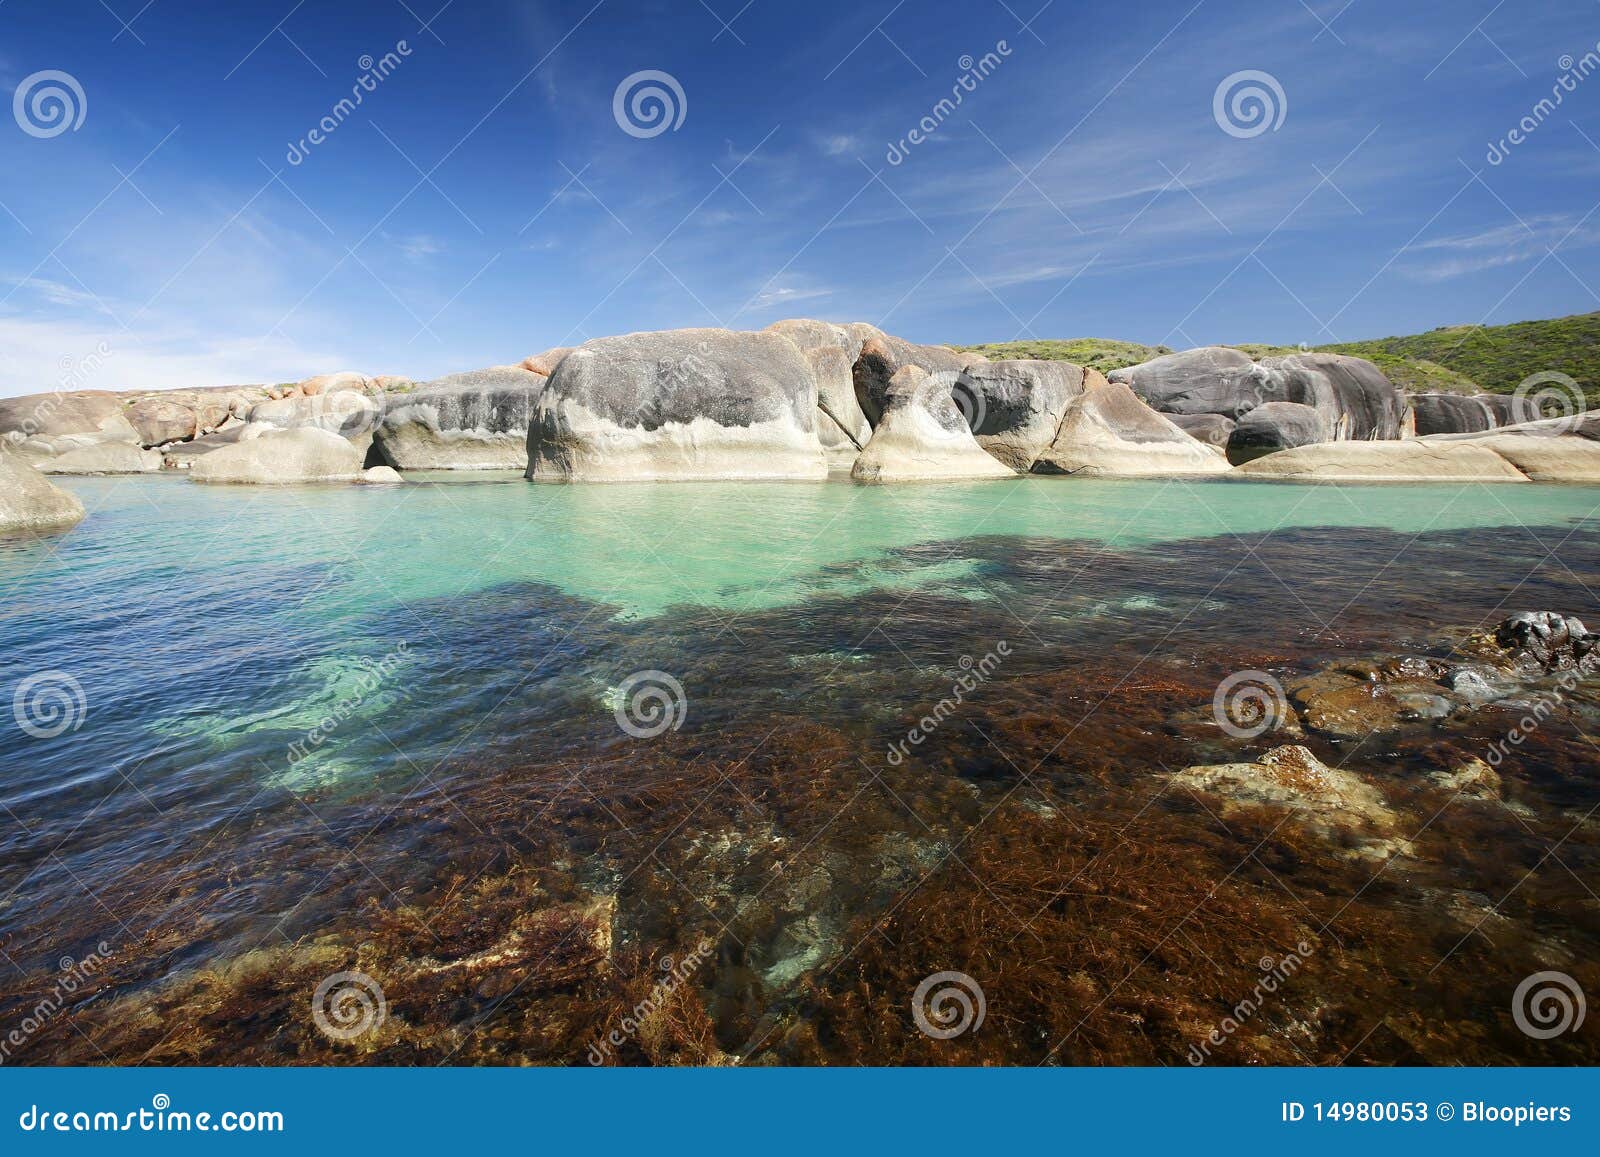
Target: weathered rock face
{"x":1352,"y":395}
{"x":1452,"y":414}
{"x":380,"y":476}
{"x":1108,"y":430}
{"x":1212,"y":429}
{"x":41,"y":425}
{"x":922,"y":436}
{"x":1412,"y":460}
{"x":832,"y":350}
{"x":1565,"y":458}
{"x":1016,"y":407}
{"x":29,"y":501}
{"x":678,"y":405}
{"x":545,"y":364}
{"x":1208,"y":380}
{"x":268,"y":456}
{"x":882,"y":357}
{"x":1274,"y":426}
{"x":103,"y":458}
{"x":182,"y":455}
{"x":344,"y":404}
{"x":1508,"y":410}
{"x":161,"y":420}
{"x":471,"y":421}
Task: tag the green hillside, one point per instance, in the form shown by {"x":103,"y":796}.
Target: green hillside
{"x":1462,"y":358}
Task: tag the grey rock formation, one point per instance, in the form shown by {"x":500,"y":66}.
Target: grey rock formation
{"x":678,"y":405}
{"x":1212,"y":429}
{"x":832,"y":350}
{"x":102,"y":458}
{"x":1016,"y":407}
{"x":29,"y":501}
{"x":182,"y":455}
{"x":1452,"y":414}
{"x":922,"y":436}
{"x":1274,"y":426}
{"x":1108,"y":430}
{"x":1355,"y":399}
{"x":1547,"y":640}
{"x":270,"y":456}
{"x":471,"y":421}
{"x":163,"y":420}
{"x":882,"y":357}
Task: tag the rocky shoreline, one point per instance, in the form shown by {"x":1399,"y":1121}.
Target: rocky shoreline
{"x":800,"y":400}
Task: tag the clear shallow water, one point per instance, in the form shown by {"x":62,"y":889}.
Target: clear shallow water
{"x":414,"y":641}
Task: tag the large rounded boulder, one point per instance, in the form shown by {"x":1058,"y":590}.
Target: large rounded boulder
{"x":1108,"y":430}
{"x":1452,"y":414}
{"x":882,"y":356}
{"x":471,"y":421}
{"x":678,"y":405}
{"x":29,"y":501}
{"x":1015,"y":407}
{"x":1275,"y":426}
{"x":922,"y":436}
{"x":832,"y":351}
{"x":1208,"y":380}
{"x":268,"y":456}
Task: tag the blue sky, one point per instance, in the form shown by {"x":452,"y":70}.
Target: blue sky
{"x":483,"y":202}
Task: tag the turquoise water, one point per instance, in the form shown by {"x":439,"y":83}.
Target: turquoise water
{"x":264,"y":674}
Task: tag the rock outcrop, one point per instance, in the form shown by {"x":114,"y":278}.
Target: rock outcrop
{"x":679,"y":405}
{"x":1212,"y":429}
{"x":1335,"y":802}
{"x":41,"y":425}
{"x":1544,"y":459}
{"x":882,"y":356}
{"x":922,"y":436}
{"x":103,"y":458}
{"x":1453,"y":414}
{"x":1015,"y":407}
{"x":1274,"y":426}
{"x":1355,"y":399}
{"x":1412,"y":460}
{"x":29,"y":501}
{"x":268,"y":456}
{"x":1108,"y":430}
{"x":832,"y":351}
{"x":471,"y":421}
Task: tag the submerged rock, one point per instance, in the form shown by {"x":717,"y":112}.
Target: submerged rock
{"x":30,"y":501}
{"x":267,"y":456}
{"x":680,"y":405}
{"x":1108,"y":430}
{"x":922,"y":436}
{"x":472,"y":421}
{"x":1546,"y":639}
{"x":1331,"y":800}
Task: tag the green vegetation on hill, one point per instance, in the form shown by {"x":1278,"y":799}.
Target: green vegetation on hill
{"x":1496,"y":358}
{"x":1457,"y":359}
{"x":1102,"y":355}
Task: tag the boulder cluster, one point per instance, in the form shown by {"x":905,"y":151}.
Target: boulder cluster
{"x":803,"y":399}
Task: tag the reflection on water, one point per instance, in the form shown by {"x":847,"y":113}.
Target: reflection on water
{"x":331,"y":727}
